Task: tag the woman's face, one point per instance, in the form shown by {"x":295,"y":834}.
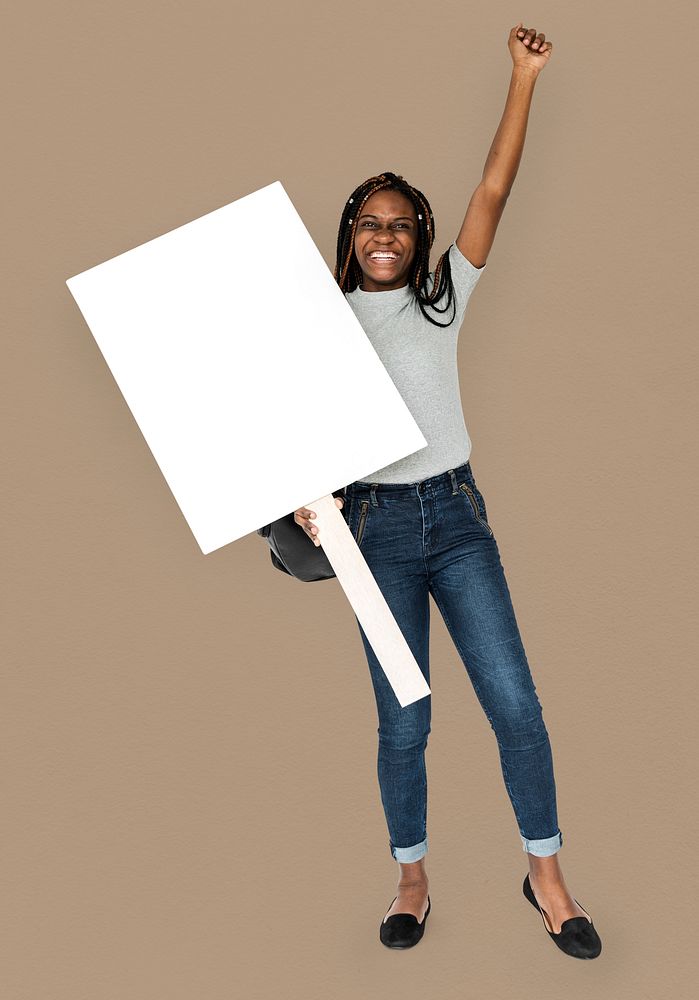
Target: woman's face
{"x":385,"y":241}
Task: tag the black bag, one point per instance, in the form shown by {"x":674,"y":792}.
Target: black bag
{"x":293,"y":552}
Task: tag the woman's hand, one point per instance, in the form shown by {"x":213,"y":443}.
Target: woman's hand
{"x":303,"y":517}
{"x":529,"y":51}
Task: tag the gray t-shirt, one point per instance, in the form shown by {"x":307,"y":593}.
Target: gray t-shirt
{"x":422,"y":362}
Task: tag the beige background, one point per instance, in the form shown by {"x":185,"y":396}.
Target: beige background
{"x":175,"y":824}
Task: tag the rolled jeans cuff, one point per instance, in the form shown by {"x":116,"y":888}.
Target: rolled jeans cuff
{"x":405,"y":855}
{"x":542,"y":848}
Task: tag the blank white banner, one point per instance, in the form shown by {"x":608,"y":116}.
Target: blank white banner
{"x":246,"y":370}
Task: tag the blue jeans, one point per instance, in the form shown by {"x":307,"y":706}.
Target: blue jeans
{"x":433,"y":537}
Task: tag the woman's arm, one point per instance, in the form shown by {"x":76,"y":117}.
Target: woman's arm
{"x":530,"y":53}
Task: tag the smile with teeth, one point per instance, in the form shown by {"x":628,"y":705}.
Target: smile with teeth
{"x":383,"y":255}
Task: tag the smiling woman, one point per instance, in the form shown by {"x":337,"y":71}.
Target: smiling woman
{"x":422,"y":525}
{"x":386,"y":240}
{"x":386,"y":215}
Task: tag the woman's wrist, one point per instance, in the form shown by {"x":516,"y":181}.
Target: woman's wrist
{"x":524,"y":74}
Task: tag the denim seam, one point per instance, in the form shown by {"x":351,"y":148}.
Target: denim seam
{"x":422,"y":512}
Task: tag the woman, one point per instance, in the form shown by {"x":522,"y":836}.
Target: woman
{"x":422,"y":525}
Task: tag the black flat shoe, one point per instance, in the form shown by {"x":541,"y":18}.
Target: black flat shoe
{"x":577,"y":936}
{"x":402,"y":930}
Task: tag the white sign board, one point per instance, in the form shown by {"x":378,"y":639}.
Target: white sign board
{"x":245,"y":368}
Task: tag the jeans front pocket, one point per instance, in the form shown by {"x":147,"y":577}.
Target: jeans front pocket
{"x":470,"y":492}
{"x":363,"y":512}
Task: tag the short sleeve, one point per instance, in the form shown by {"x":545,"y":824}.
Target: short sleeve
{"x":465,"y":276}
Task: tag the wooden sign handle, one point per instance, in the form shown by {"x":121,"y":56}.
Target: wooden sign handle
{"x":368,"y":603}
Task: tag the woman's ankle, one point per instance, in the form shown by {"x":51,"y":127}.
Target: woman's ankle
{"x":413,"y":873}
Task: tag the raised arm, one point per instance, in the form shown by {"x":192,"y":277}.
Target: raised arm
{"x":530,"y":53}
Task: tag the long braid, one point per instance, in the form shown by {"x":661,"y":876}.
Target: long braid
{"x":348,"y":273}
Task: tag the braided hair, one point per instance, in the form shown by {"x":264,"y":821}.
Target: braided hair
{"x":348,"y":273}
